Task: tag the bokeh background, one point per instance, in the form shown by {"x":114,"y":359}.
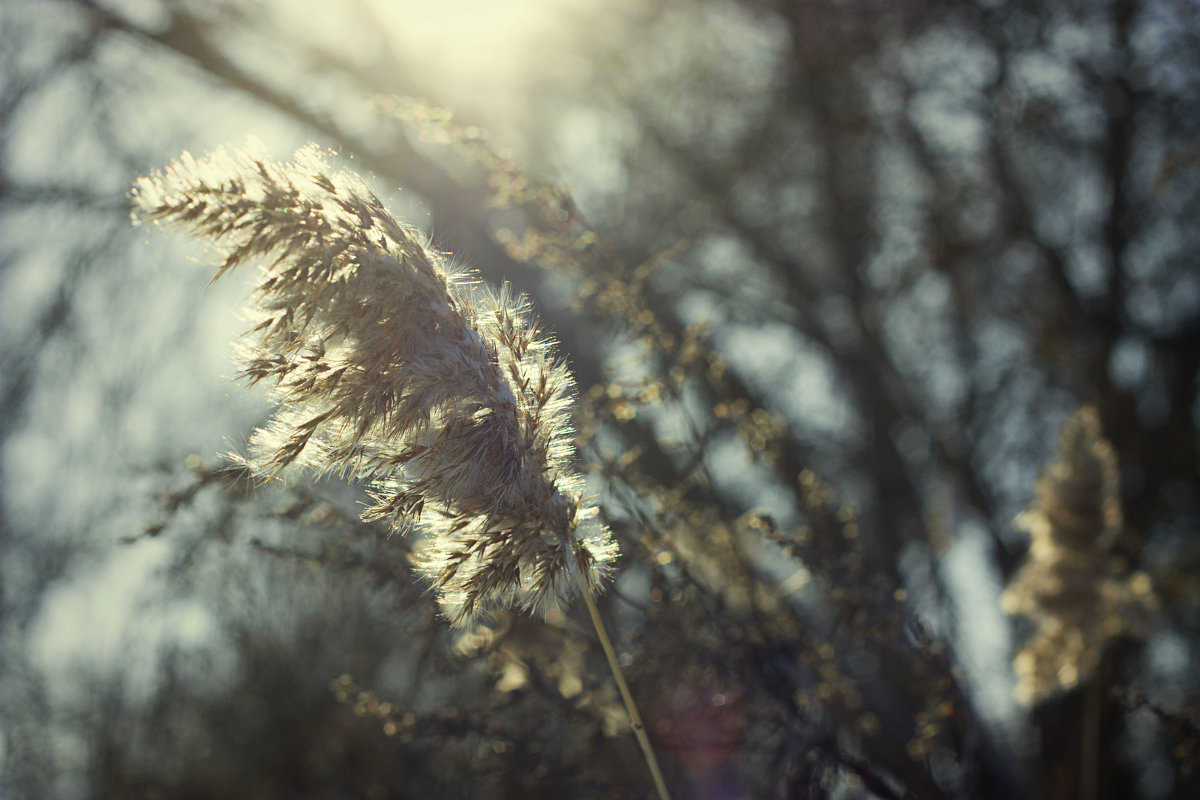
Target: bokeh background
{"x":832,"y":277}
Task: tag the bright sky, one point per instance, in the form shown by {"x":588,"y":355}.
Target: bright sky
{"x":470,"y":51}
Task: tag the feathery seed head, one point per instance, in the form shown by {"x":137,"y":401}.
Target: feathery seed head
{"x":388,"y":368}
{"x":1070,"y":585}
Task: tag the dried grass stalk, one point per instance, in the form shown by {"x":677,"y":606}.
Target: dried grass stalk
{"x":389,"y":368}
{"x":1071,"y":586}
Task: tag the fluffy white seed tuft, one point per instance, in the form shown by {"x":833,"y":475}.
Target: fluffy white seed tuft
{"x":388,"y":368}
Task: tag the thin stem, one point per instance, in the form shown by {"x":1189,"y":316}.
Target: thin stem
{"x":635,"y":719}
{"x":1093,"y":699}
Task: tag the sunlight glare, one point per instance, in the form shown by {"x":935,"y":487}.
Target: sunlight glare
{"x":463,"y":52}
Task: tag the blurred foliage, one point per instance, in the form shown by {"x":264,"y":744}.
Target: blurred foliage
{"x":831,"y":277}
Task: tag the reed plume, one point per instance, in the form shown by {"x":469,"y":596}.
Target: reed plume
{"x":1071,"y":586}
{"x":388,"y":367}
